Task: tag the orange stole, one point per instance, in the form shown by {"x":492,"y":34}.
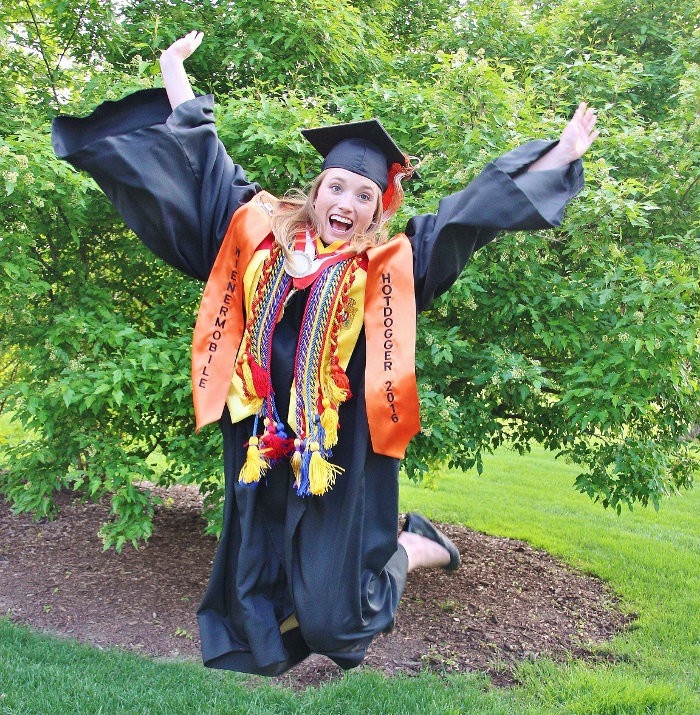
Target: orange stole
{"x":390,"y":328}
{"x":390,"y":382}
{"x":219,"y":327}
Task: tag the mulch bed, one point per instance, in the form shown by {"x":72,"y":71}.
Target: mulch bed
{"x":506,"y":603}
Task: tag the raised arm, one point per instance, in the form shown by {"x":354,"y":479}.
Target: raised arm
{"x":173,"y":69}
{"x":159,"y":160}
{"x":525,"y":189}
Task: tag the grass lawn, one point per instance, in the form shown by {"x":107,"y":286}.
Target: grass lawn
{"x":652,"y":560}
{"x":649,"y":558}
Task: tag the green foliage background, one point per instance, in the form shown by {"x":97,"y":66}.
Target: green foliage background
{"x":585,"y":339}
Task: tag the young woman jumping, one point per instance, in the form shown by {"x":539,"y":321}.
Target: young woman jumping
{"x":304,"y":348}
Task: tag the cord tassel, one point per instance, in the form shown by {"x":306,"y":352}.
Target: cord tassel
{"x":274,"y":443}
{"x":322,"y":473}
{"x":261,"y":379}
{"x":246,"y":375}
{"x":255,"y":464}
{"x":329,"y":422}
{"x":338,"y":387}
{"x":303,"y":488}
{"x":296,"y":463}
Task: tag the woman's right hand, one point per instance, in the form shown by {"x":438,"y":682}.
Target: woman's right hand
{"x":173,"y":69}
{"x":181,"y":49}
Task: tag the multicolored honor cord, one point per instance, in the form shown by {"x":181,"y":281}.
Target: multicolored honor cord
{"x":321,"y":385}
{"x":253,"y":367}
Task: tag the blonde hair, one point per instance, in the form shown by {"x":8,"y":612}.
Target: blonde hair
{"x":295,"y":212}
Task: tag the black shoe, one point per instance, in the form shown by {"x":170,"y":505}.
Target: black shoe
{"x":417,"y":524}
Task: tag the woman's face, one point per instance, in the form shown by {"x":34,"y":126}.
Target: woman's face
{"x":345,"y":204}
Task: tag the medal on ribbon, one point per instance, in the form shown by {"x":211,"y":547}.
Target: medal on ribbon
{"x":301,"y":261}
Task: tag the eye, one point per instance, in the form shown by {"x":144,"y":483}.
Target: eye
{"x":335,"y":187}
{"x":365,"y":197}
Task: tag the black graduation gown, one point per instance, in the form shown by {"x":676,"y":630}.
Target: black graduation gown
{"x":332,"y":560}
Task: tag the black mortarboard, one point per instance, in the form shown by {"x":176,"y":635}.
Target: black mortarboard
{"x":364,"y":148}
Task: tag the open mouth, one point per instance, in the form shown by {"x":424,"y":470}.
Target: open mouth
{"x":340,"y":224}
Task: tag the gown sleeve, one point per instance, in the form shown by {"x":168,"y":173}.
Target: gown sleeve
{"x":504,"y":197}
{"x":166,"y":172}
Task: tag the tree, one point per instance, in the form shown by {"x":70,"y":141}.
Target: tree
{"x":584,"y":339}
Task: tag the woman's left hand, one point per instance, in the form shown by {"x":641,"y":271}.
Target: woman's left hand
{"x":574,"y":141}
{"x":578,"y":134}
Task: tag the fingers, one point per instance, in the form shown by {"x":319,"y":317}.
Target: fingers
{"x":589,"y":120}
{"x":184,"y":46}
{"x":583,"y":110}
{"x":193,"y":38}
{"x":579,"y":133}
{"x":585,"y":117}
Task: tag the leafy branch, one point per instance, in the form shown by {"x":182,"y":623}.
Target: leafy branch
{"x":43,"y":52}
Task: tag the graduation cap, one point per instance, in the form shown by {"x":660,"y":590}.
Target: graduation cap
{"x":364,"y":148}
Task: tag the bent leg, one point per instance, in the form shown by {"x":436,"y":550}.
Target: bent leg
{"x":422,"y":552}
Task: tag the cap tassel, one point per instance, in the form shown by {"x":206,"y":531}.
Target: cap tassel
{"x":393,"y":196}
{"x":254,"y":465}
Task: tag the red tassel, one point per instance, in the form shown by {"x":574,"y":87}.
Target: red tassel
{"x":393,"y":196}
{"x":341,"y":379}
{"x":389,"y":193}
{"x":261,"y":379}
{"x":275,"y":445}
